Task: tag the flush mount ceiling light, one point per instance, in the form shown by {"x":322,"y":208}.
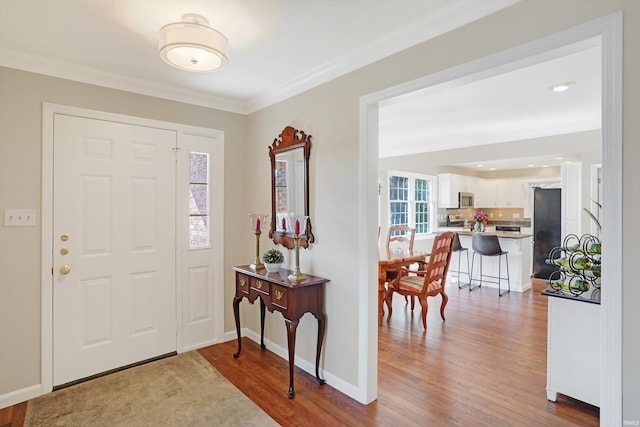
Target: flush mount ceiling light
{"x":561,"y":87}
{"x":192,"y":45}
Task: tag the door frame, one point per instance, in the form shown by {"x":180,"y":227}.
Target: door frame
{"x":608,"y":29}
{"x":216,"y":222}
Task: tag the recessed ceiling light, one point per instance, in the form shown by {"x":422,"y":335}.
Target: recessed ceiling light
{"x":561,"y":87}
{"x":479,"y":166}
{"x":559,"y":158}
{"x":492,"y":169}
{"x":530,"y":166}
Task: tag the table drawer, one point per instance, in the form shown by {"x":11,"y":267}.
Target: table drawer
{"x":260,"y":285}
{"x":280,"y":296}
{"x":242,"y":283}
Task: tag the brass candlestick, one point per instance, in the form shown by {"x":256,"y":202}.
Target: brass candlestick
{"x":256,"y":263}
{"x":256,"y":221}
{"x":297,"y":275}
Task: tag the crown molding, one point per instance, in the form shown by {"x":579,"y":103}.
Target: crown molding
{"x":63,"y":70}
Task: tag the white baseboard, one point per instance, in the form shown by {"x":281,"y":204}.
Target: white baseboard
{"x":307,"y":366}
{"x":199,"y":345}
{"x":19,"y":396}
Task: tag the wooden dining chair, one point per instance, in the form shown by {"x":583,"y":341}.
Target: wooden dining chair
{"x":400,"y":236}
{"x":425,"y":283}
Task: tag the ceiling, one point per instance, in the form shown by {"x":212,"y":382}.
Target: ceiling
{"x":278,"y":48}
{"x":512,"y":106}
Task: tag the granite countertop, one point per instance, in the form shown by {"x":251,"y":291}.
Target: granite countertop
{"x":520,"y":222}
{"x":500,"y":234}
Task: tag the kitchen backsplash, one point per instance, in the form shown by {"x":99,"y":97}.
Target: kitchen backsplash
{"x":495,"y":214}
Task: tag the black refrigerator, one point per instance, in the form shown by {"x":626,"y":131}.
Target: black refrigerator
{"x":547,"y":232}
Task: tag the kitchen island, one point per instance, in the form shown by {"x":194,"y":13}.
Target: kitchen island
{"x":519,"y":247}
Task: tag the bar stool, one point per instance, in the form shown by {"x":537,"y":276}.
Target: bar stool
{"x":489,"y":245}
{"x":457,"y":248}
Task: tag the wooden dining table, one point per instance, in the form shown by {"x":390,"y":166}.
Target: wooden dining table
{"x":394,"y":259}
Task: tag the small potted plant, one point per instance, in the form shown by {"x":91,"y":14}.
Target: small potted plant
{"x":272,"y":259}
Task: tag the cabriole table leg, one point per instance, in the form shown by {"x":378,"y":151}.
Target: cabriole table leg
{"x":236,"y":314}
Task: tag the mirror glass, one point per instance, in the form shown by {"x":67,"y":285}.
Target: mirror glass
{"x":289,"y":156}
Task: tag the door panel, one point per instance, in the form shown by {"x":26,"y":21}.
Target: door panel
{"x":114,"y":227}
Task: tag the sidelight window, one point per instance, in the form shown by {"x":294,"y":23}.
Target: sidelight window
{"x":199,"y":191}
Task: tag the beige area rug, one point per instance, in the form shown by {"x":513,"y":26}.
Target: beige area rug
{"x":183,"y":390}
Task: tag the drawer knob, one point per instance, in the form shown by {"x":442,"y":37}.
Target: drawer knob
{"x":243,"y":283}
{"x":259,"y":284}
{"x":279,"y":295}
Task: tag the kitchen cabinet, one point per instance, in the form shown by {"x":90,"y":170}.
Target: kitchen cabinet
{"x":573,"y":348}
{"x":509,"y":194}
{"x":488,"y":193}
{"x":446,"y":197}
{"x":491,"y":197}
{"x":516,"y":191}
{"x":449,"y":185}
{"x":503,"y":193}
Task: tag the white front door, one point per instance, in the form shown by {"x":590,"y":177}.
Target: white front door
{"x":114,"y":284}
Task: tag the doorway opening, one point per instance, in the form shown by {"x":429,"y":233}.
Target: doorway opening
{"x":608,"y":30}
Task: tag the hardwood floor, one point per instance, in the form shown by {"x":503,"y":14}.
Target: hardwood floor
{"x":484,"y":366}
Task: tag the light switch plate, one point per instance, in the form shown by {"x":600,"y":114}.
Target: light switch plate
{"x":19,"y":217}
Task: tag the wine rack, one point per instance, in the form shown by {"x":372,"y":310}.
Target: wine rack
{"x":578,"y":262}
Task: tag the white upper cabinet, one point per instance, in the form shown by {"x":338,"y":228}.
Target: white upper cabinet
{"x":488,"y":193}
{"x":447,"y":190}
{"x":517,"y":193}
{"x":509,"y":193}
{"x":449,"y":185}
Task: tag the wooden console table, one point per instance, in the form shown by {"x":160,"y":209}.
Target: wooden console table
{"x":292,"y":299}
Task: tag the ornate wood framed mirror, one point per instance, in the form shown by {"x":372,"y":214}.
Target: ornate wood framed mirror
{"x":289,"y":155}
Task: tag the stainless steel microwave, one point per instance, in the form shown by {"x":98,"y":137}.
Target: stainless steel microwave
{"x":465,"y":200}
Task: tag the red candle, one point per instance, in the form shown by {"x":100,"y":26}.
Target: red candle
{"x":258,"y":224}
{"x":297,"y":227}
{"x":284,"y":224}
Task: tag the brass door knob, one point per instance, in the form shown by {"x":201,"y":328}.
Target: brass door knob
{"x":65,"y":269}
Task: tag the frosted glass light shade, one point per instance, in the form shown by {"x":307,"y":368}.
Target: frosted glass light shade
{"x":192,"y":45}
